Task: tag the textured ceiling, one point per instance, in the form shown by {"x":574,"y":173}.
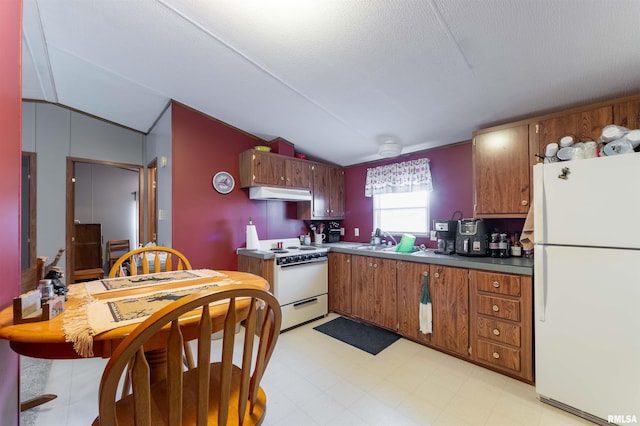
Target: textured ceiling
{"x":335,"y":77}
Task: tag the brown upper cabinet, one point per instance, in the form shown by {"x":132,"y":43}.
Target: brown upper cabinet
{"x":582,"y":125}
{"x":328,"y":194}
{"x":259,"y":168}
{"x":627,"y":113}
{"x":503,"y":155}
{"x":501,"y":171}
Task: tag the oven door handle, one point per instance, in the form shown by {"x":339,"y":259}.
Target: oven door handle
{"x":304,"y":302}
{"x":305,"y":262}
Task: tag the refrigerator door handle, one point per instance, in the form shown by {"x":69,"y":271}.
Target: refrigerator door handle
{"x":540,"y":283}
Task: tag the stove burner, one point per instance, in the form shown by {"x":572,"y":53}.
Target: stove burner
{"x":293,"y":248}
{"x":307,"y":248}
{"x":277,"y":250}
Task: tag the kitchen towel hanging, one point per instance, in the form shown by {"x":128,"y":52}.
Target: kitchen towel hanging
{"x":426,"y":314}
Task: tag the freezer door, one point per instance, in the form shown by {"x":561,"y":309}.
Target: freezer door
{"x":593,"y":202}
{"x":587,"y":348}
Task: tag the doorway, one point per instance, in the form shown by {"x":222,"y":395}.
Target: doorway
{"x":105,"y":194}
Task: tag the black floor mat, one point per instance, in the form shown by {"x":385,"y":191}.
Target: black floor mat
{"x":369,"y":338}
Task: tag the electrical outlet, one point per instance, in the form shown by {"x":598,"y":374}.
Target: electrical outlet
{"x":433,"y":237}
{"x":342,"y":232}
{"x":356,"y":232}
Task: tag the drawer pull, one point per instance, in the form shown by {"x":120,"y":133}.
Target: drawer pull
{"x":495,"y":284}
{"x":496,"y":355}
{"x":496,"y":332}
{"x":495,"y":308}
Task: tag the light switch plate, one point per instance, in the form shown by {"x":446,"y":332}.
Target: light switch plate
{"x":433,"y":236}
{"x":356,"y":232}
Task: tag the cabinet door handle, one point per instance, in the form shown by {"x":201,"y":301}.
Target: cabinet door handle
{"x":370,"y":264}
{"x":524,"y":202}
{"x":495,"y":308}
{"x":437,"y":275}
{"x":375,"y":265}
{"x":496,"y":355}
{"x":495,"y":284}
{"x":496,"y":332}
{"x":281,"y":177}
{"x":348,"y":260}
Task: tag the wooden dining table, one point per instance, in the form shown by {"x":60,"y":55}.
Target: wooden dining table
{"x":46,"y":339}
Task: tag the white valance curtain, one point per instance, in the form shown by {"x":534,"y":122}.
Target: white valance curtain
{"x":408,"y":176}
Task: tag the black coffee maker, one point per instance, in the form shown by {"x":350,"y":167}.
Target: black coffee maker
{"x":472,"y":238}
{"x":446,"y":231}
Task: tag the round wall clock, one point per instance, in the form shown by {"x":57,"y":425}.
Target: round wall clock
{"x":223,"y":182}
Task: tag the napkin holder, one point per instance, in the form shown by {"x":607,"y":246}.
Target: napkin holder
{"x":28,"y":307}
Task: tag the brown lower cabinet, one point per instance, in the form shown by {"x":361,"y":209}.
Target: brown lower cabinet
{"x":480,"y":316}
{"x":502,"y":322}
{"x":449,"y":292}
{"x":373,"y":282}
{"x":340,"y":283}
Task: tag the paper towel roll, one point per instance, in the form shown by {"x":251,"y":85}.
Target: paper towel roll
{"x":252,"y":238}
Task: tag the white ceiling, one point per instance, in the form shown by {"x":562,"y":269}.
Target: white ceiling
{"x":334,"y":77}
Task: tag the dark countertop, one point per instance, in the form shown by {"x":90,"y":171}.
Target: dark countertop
{"x":513,"y":265}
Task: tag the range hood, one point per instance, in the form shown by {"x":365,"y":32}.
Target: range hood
{"x":283,"y":194}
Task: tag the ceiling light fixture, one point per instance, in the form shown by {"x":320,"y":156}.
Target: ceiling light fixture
{"x":390,"y":149}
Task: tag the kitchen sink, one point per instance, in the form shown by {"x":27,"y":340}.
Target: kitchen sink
{"x":377,"y":248}
{"x":422,"y":253}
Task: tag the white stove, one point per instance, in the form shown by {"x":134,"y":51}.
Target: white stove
{"x":300,"y":280}
{"x":290,"y":252}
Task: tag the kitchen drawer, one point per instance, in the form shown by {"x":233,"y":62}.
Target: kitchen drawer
{"x":498,"y":331}
{"x":495,"y":354}
{"x":499,"y":307}
{"x":498,"y":283}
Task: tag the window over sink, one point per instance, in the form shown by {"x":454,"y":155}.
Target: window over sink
{"x":402,"y":212}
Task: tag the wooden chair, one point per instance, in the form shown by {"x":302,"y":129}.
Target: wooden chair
{"x":115,"y":250}
{"x":217,"y":393}
{"x":147,"y":254}
{"x":162,"y":259}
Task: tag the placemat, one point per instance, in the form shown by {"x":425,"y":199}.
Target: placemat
{"x":97,"y":316}
{"x":123,"y":283}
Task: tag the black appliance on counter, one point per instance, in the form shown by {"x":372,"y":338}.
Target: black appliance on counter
{"x":334,"y":236}
{"x":472,"y":238}
{"x":446,"y":231}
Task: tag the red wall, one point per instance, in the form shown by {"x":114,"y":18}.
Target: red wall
{"x":452,"y":174}
{"x":451,"y":171}
{"x":208,"y":227}
{"x":10,"y":169}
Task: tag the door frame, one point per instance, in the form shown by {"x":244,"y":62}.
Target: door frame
{"x":32,"y":213}
{"x":152,"y":201}
{"x":71,"y":205}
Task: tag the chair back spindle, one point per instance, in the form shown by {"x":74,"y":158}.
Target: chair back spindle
{"x":216,"y":390}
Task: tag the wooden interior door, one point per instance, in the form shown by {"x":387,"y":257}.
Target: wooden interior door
{"x":87,"y":246}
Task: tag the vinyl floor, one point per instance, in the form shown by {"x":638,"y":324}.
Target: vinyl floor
{"x":314,"y":379}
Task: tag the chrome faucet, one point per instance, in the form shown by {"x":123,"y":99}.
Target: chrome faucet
{"x":385,"y":233}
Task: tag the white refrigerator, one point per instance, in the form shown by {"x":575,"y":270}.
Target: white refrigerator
{"x":587,"y":287}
